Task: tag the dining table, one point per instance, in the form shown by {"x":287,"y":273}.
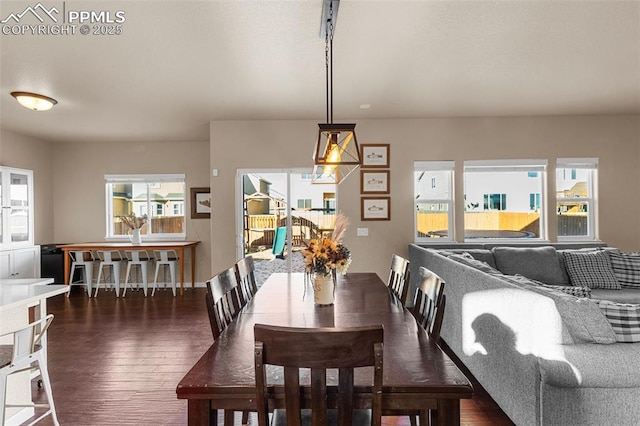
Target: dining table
{"x":178,"y":246}
{"x":418,"y":374}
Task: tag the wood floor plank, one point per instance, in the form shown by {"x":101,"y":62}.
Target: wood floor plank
{"x":119,"y":360}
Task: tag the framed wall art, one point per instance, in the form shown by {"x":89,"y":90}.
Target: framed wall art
{"x":374,"y":181}
{"x":375,"y":155}
{"x":375,"y":208}
{"x":200,"y":203}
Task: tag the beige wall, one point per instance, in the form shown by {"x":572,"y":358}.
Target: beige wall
{"x":78,"y":178}
{"x":615,"y":140}
{"x":33,"y":154}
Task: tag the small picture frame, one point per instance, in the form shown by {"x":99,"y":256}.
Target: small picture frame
{"x":375,"y":155}
{"x":374,"y":181}
{"x":200,"y":203}
{"x":375,"y":208}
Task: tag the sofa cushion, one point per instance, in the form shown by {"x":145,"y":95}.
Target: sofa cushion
{"x":582,"y":317}
{"x":590,"y":269}
{"x":624,"y":295}
{"x":469,"y":260}
{"x":537,"y":263}
{"x":573,"y":290}
{"x":626,"y":268}
{"x":624,"y":319}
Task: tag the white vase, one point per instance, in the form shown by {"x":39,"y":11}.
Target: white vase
{"x":135,"y":236}
{"x":323,"y":289}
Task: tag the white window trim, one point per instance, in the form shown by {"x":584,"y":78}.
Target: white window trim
{"x":431,"y":166}
{"x":140,"y":178}
{"x":592,"y":214}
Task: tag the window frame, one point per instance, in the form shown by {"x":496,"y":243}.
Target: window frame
{"x":151,"y":205}
{"x":435,"y":166}
{"x":572,"y":164}
{"x":517,"y":165}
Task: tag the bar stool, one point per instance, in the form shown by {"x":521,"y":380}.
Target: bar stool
{"x":165,"y":259}
{"x":109,"y":259}
{"x":82,"y":260}
{"x":139,"y":261}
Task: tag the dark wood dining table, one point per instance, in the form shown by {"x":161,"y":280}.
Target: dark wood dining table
{"x":417,"y":373}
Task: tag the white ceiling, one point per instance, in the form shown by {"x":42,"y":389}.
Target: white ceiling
{"x":180,"y":64}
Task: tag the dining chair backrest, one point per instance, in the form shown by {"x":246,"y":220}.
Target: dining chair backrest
{"x":429,"y":302}
{"x":245,"y":274}
{"x":82,"y":256}
{"x":137,"y":255}
{"x":108,"y":256}
{"x":399,"y":277}
{"x":223,"y":303}
{"x":319,"y":349}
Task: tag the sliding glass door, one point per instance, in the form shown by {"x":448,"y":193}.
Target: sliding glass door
{"x":277,"y":211}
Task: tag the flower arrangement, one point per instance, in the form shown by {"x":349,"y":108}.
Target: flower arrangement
{"x":132,"y":221}
{"x":326,"y":255}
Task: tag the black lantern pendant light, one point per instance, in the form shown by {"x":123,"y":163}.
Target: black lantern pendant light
{"x":336,"y":154}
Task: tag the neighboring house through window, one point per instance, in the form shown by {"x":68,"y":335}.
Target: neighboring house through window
{"x":433,"y":188}
{"x":162,"y":195}
{"x":498,"y":199}
{"x":576,"y":180}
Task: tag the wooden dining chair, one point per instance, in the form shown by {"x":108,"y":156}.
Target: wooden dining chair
{"x":245,"y":274}
{"x":318,"y":349}
{"x":223,"y":301}
{"x":223,"y":306}
{"x":398,"y":281}
{"x":428,"y":309}
{"x":429,"y":302}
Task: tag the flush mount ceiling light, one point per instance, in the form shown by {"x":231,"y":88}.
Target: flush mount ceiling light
{"x":34,"y":101}
{"x":336,"y":153}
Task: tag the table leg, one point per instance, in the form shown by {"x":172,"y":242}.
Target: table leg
{"x":199,"y":413}
{"x":448,"y":413}
{"x":67,"y":266}
{"x":181,"y":265}
{"x":193,"y":267}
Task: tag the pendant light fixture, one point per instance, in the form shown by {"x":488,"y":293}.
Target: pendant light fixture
{"x":336,"y":153}
{"x":34,"y":101}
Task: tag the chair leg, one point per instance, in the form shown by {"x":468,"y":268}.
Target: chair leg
{"x":145,"y":278}
{"x":98,"y":281}
{"x":126,"y":279}
{"x":88,"y":269}
{"x":413,"y":420}
{"x":3,"y":396}
{"x":245,"y":418}
{"x":172,"y":270}
{"x":155,"y":280}
{"x":46,"y":383}
{"x":116,"y":277}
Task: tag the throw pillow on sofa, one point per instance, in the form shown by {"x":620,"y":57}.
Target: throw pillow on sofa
{"x":537,"y":263}
{"x":591,"y":269}
{"x":626,"y":268}
{"x":467,"y":259}
{"x":624,"y":319}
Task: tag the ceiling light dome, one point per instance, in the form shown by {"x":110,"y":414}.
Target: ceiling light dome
{"x":34,"y":101}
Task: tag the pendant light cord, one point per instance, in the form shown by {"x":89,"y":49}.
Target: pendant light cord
{"x":328,"y":58}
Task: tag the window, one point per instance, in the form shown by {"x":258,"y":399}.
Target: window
{"x":495,"y":201}
{"x":488,"y":185}
{"x":161,"y":195}
{"x":534,"y":201}
{"x":575,"y":198}
{"x":433,"y":187}
{"x":304,"y":204}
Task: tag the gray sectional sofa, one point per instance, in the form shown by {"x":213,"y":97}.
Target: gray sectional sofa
{"x":543,"y":349}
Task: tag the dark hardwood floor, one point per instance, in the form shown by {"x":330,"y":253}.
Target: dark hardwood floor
{"x":118,"y":361}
